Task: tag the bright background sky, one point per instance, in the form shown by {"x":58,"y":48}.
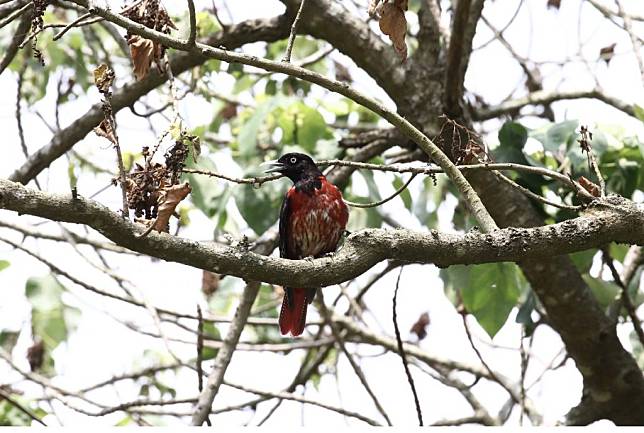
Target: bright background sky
{"x":101,"y":347}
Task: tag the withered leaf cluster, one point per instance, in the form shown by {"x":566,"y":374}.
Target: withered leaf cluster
{"x":392,"y":21}
{"x":144,"y":52}
{"x":153,"y":189}
{"x":103,"y":79}
{"x":460,"y":144}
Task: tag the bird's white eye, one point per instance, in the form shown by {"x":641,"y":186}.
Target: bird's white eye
{"x":293,"y":160}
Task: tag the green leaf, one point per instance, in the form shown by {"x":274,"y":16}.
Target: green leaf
{"x":247,"y":137}
{"x":605,"y":291}
{"x":405,"y":195}
{"x":513,"y":135}
{"x":560,"y":133}
{"x":259,"y":206}
{"x":210,"y":331}
{"x":488,"y":291}
{"x":4,"y":265}
{"x":8,"y":340}
{"x":583,"y":260}
{"x":639,"y":112}
{"x":206,"y":194}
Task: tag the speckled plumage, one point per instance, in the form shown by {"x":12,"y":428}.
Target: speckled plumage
{"x":312,"y":220}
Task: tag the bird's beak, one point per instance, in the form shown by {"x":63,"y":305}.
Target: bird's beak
{"x":273,"y":166}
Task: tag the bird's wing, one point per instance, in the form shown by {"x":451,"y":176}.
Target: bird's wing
{"x":285,"y":213}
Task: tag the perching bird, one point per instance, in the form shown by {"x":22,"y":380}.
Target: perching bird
{"x":312,"y":220}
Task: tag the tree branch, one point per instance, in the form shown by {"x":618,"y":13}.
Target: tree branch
{"x":546,"y":97}
{"x":621,"y":221}
{"x":466,"y":17}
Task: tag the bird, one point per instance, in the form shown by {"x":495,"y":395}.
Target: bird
{"x":313,"y":218}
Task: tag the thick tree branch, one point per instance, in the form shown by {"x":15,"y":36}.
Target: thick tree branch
{"x":621,"y":222}
{"x":466,"y":17}
{"x":545,"y":97}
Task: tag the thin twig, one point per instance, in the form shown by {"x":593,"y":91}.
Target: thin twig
{"x":534,"y":196}
{"x":401,"y":351}
{"x":293,"y":397}
{"x":628,"y":27}
{"x":524,"y":368}
{"x":15,"y":14}
{"x":383,"y":201}
{"x":356,"y":368}
{"x":291,"y":38}
{"x":192,"y":38}
{"x":225,"y":353}
{"x":626,"y":298}
{"x":257,"y":181}
{"x":6,"y":396}
{"x":71,"y":25}
{"x":492,"y":374}
{"x":200,"y":354}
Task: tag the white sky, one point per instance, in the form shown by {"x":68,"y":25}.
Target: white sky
{"x":101,"y":347}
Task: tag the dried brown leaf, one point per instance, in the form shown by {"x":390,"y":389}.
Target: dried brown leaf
{"x":168,"y":201}
{"x":420,"y":327}
{"x":103,"y":78}
{"x":229,"y":111}
{"x":104,"y":129}
{"x":36,"y":355}
{"x":394,"y":24}
{"x":342,"y":73}
{"x":607,"y":53}
{"x":142,"y":52}
{"x":209,"y":283}
{"x":556,"y":4}
{"x":589,"y":186}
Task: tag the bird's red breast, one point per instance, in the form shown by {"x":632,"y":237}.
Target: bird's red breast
{"x":317,"y":219}
{"x":312,"y":221}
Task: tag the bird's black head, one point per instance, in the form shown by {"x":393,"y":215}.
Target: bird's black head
{"x":295,"y":166}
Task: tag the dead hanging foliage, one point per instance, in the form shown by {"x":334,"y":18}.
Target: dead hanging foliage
{"x":607,"y":53}
{"x":103,"y":79}
{"x":144,"y":52}
{"x":460,"y":144}
{"x":153,"y":189}
{"x":391,"y":18}
{"x":420,"y":327}
{"x":589,"y":186}
{"x":36,"y":355}
{"x":37,"y":25}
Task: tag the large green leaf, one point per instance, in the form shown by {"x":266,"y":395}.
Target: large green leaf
{"x":259,"y":206}
{"x":302,"y":125}
{"x":513,"y":134}
{"x":512,"y":138}
{"x":247,"y":137}
{"x":488,"y":291}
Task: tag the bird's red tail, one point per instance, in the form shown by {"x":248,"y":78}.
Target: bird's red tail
{"x":293,"y":312}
